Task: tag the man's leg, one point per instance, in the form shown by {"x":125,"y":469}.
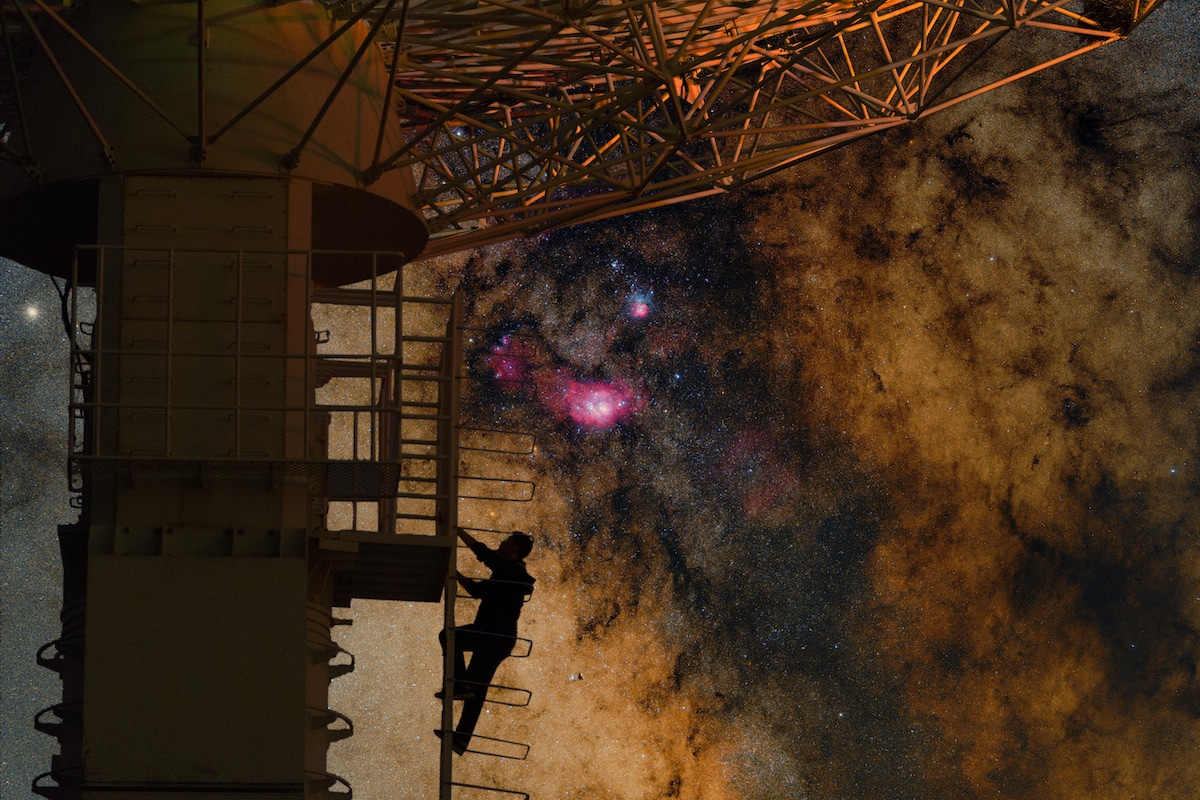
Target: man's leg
{"x":484,"y":662}
{"x":461,"y":643}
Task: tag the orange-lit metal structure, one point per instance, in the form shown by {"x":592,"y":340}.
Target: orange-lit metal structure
{"x":523,"y":116}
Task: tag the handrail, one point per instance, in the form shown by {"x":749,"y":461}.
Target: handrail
{"x":517,"y":689}
{"x":43,"y":659}
{"x":338,"y":670}
{"x":528,"y":584}
{"x":67,"y":778}
{"x":333,"y":649}
{"x":324,"y":717}
{"x":327,"y":780}
{"x":441,"y":733}
{"x":498,"y":431}
{"x":516,"y":481}
{"x":502,"y":531}
{"x":448,"y":434}
{"x":54,"y":662}
{"x":364,"y":297}
{"x":234,"y":251}
{"x":62,"y":711}
{"x":416,"y":352}
{"x":500,"y":636}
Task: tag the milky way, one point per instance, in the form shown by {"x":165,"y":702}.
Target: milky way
{"x":905,"y":504}
{"x":877,"y":480}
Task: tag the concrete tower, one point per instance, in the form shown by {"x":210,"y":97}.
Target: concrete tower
{"x":194,"y":172}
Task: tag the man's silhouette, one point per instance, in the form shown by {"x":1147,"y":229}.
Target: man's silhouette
{"x":493,"y":634}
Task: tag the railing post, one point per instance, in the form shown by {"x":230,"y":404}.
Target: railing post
{"x":395,"y":416}
{"x":448,"y":397}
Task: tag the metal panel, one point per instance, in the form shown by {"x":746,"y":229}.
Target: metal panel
{"x":231,"y":630}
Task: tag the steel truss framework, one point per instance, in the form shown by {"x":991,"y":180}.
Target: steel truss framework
{"x":525,"y":115}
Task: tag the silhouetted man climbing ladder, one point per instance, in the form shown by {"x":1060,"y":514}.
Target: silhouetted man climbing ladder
{"x":493,"y":634}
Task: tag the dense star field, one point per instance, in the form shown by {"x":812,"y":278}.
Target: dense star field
{"x":877,"y":480}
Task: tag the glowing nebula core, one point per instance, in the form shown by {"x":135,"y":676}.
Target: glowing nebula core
{"x":592,"y":404}
{"x":638,"y":306}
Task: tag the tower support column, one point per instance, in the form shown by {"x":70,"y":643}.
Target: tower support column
{"x":198,"y":571}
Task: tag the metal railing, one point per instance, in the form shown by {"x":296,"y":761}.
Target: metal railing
{"x":274,"y":389}
{"x":364,"y":409}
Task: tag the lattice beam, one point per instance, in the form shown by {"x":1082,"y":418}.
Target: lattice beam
{"x":524,"y":115}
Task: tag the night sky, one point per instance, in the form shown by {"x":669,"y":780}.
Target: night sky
{"x":875,"y":480}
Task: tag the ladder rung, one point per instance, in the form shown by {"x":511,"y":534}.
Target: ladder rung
{"x":426,"y":339}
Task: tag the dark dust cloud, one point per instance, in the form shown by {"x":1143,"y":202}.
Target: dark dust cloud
{"x":906,"y":500}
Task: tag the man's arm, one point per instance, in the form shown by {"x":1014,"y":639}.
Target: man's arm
{"x":472,"y":586}
{"x":481,"y":551}
{"x":468,"y":539}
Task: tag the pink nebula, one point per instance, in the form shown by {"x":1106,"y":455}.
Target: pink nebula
{"x":754,"y":464}
{"x":638,"y":306}
{"x":595,"y":404}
